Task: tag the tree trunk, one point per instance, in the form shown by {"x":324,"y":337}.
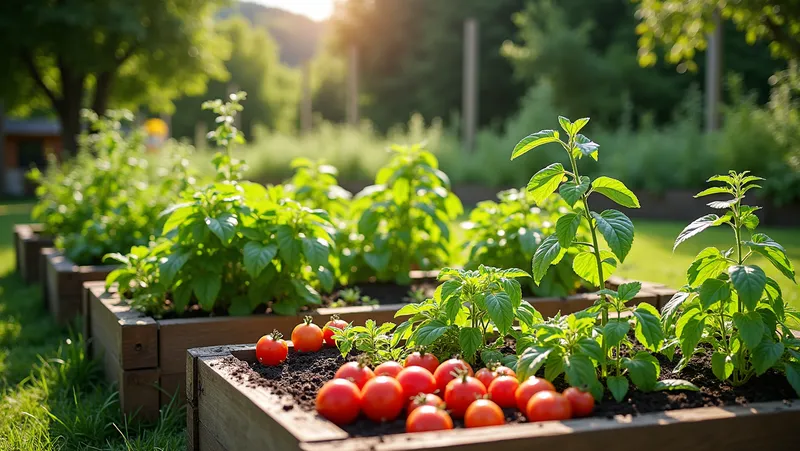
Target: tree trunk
{"x":69,"y":112}
{"x":102,"y":92}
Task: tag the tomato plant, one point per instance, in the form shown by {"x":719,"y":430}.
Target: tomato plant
{"x":416,"y":380}
{"x":425,"y":399}
{"x":307,"y":336}
{"x":448,"y":370}
{"x":315,"y":185}
{"x":327,"y":331}
{"x":271,"y":350}
{"x":390,"y":368}
{"x":425,"y":360}
{"x":503,"y":391}
{"x":483,"y":412}
{"x":339,"y":400}
{"x":548,"y":406}
{"x":382,"y":399}
{"x":427,"y":419}
{"x":729,"y":303}
{"x":371,"y":340}
{"x":461,"y":392}
{"x":581,"y":403}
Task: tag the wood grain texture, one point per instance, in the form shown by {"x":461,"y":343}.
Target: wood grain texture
{"x":139,"y":395}
{"x":64,"y":284}
{"x":29,"y":241}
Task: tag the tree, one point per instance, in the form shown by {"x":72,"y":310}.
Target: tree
{"x":78,"y":53}
{"x":683,"y":26}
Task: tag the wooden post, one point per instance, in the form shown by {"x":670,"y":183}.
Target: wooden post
{"x":305,"y":101}
{"x":352,"y":87}
{"x":469,"y":110}
{"x":714,"y":75}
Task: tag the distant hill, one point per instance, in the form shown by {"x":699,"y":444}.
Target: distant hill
{"x":297,"y":36}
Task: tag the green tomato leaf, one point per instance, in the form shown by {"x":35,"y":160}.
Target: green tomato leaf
{"x":793,"y":375}
{"x":585,"y":266}
{"x":566,"y":125}
{"x":326,"y":279}
{"x":675,"y":384}
{"x":531,"y":360}
{"x":585,"y":145}
{"x":773,"y":252}
{"x":766,"y":355}
{"x":751,"y":328}
{"x":615,"y":330}
{"x":591,"y":348}
{"x":305,"y":292}
{"x":501,"y":310}
{"x":579,"y":371}
{"x":546,"y":254}
{"x":206,"y":288}
{"x":671,"y":307}
{"x":533,"y":141}
{"x":749,"y":282}
{"x":470,"y":340}
{"x":289,"y":247}
{"x":714,"y":190}
{"x":708,"y":264}
{"x":428,"y":333}
{"x":170,"y":267}
{"x":567,"y":228}
{"x":713,"y":291}
{"x":545,"y":182}
{"x":257,"y":256}
{"x":617,"y":229}
{"x":223,"y":226}
{"x":721,"y":366}
{"x":689,"y":330}
{"x":618,"y":386}
{"x":572,"y":192}
{"x":616,"y":191}
{"x":513,"y":290}
{"x":697,"y":226}
{"x":378,"y":260}
{"x":628,"y":291}
{"x":316,"y":251}
{"x":648,"y":326}
{"x":643,"y":370}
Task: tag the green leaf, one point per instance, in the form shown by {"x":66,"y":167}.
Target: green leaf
{"x":469,"y":339}
{"x":566,"y":125}
{"x":708,"y":264}
{"x":689,"y":330}
{"x":721,"y":366}
{"x":723,"y":204}
{"x":501,"y":310}
{"x":579,"y":370}
{"x":766,"y":354}
{"x":673,"y":304}
{"x":643,"y":370}
{"x":170,"y":267}
{"x":567,"y":228}
{"x":223,"y":226}
{"x":579,"y":124}
{"x":714,"y":190}
{"x":616,"y":191}
{"x":615,"y":330}
{"x":585,"y":266}
{"x":534,"y":140}
{"x":181,"y":295}
{"x":326,"y":279}
{"x":289,"y":247}
{"x":401,"y":332}
{"x":648,"y":326}
{"x":617,"y":229}
{"x":792,"y":371}
{"x":545,"y":182}
{"x":513,"y":290}
{"x":412,"y":309}
{"x":240,"y":306}
{"x":257,"y":256}
{"x":428,"y":333}
{"x":547,"y":253}
{"x":591,"y":348}
{"x":749,"y":282}
{"x":618,"y":386}
{"x":585,"y":145}
{"x":675,"y":384}
{"x":628,"y":291}
{"x":206,"y":288}
{"x":378,"y":261}
{"x":697,"y":226}
{"x":401,"y":189}
{"x":453,"y":307}
{"x":531,"y":360}
{"x":572,"y":192}
{"x":514,"y":273}
{"x":316,"y":251}
{"x":305,"y":292}
{"x":713,"y":291}
{"x":773,"y":252}
{"x":751,"y":328}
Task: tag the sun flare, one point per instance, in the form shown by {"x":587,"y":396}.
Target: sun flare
{"x":314,"y":9}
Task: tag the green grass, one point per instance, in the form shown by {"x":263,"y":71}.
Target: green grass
{"x":52,"y":397}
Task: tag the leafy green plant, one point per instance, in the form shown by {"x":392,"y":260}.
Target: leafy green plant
{"x":471,"y":312}
{"x":373,"y":340}
{"x":109,"y":197}
{"x":729,"y":303}
{"x":505,"y":234}
{"x":404,"y":218}
{"x":314,"y":184}
{"x":352,"y":296}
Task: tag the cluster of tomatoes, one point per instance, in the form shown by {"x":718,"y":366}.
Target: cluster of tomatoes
{"x":271,"y":350}
{"x":416,"y":386}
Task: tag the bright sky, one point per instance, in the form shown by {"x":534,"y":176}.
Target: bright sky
{"x":315,"y":9}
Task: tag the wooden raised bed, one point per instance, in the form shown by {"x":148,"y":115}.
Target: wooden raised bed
{"x":225,"y":414}
{"x":63,"y":284}
{"x":145,"y":356}
{"x":29,"y":240}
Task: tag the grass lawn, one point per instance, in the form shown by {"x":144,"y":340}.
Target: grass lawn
{"x":52,"y":396}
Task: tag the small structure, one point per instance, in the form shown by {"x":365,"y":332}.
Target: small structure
{"x":26,"y":143}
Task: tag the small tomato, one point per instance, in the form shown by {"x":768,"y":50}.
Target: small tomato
{"x":461,"y":392}
{"x":307,"y":337}
{"x":582,"y":403}
{"x":503,"y":391}
{"x":339,"y":401}
{"x":356,"y":372}
{"x":529,"y":388}
{"x":271,"y":350}
{"x":327,"y":331}
{"x":382,"y":399}
{"x":427,"y":361}
{"x":390,"y":368}
{"x":416,"y":380}
{"x":548,"y":406}
{"x":446,"y":372}
{"x":428,"y":418}
{"x":483,"y":412}
{"x":424,"y":399}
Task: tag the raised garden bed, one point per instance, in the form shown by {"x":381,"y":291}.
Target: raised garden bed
{"x":145,"y":355}
{"x":63,"y":284}
{"x":29,"y":240}
{"x":234,"y":403}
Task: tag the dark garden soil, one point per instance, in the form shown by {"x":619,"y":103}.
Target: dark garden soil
{"x":302,"y":375}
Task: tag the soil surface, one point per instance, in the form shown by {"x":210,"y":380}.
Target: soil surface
{"x":299,"y":379}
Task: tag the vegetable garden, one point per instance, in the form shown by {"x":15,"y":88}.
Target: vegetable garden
{"x":393,"y":345}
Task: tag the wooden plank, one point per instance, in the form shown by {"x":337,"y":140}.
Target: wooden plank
{"x":43,"y":258}
{"x":738,"y":428}
{"x":580,"y":302}
{"x":139,"y":395}
{"x":65,"y":284}
{"x":172,"y":386}
{"x":664,"y":295}
{"x":129,"y":335}
{"x":192,"y":429}
{"x":28,"y":243}
{"x":206,"y":441}
{"x":548,"y":307}
{"x":242,"y":417}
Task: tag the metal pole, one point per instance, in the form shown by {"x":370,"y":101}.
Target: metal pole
{"x":714,"y":75}
{"x":352,"y":87}
{"x":469,"y":110}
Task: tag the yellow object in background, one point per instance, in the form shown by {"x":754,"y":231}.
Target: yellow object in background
{"x":157,"y":132}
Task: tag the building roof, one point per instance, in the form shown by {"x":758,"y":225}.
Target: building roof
{"x":32,"y":127}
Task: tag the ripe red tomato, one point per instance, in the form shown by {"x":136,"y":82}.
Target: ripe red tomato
{"x":382,"y":399}
{"x":446,"y":372}
{"x":339,"y":400}
{"x":548,"y":406}
{"x":416,"y":380}
{"x":427,"y":361}
{"x":271,"y":350}
{"x":462,"y":392}
{"x":504,"y":371}
{"x":390,"y":368}
{"x":424,"y":399}
{"x":484,"y":375}
{"x":483,"y":412}
{"x":307,"y":337}
{"x":503,"y":391}
{"x":428,"y":418}
{"x":582,"y":403}
{"x":530,"y":387}
{"x":355,"y":372}
{"x":327,"y":331}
